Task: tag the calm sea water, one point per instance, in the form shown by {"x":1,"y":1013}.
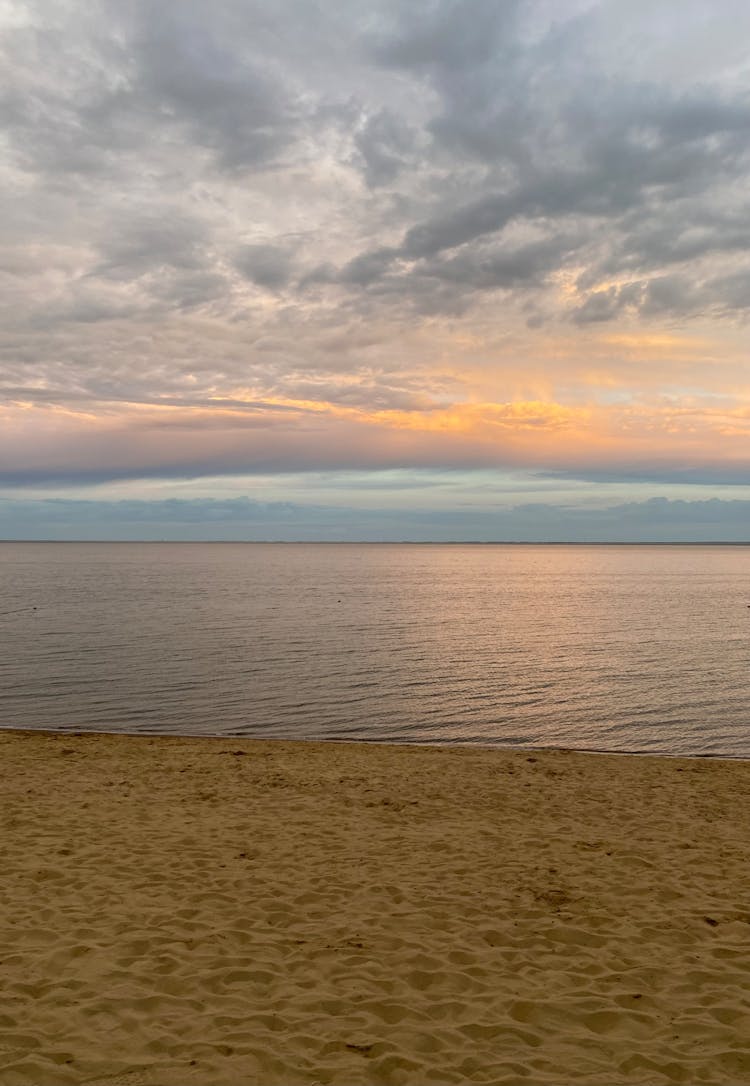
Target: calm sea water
{"x":612,"y":648}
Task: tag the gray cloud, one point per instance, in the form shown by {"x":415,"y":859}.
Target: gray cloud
{"x":501,"y":266}
{"x":242,"y":199}
{"x":368,"y":267}
{"x":215,"y":87}
{"x":386,"y":144}
{"x":162,"y":238}
{"x":566,"y":138}
{"x":94,"y":87}
{"x":668,"y":295}
{"x":606,"y":305}
{"x":657,"y":520}
{"x":268,"y":266}
{"x":447,"y":37}
{"x":520,"y":121}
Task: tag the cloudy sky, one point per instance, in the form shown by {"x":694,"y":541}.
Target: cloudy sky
{"x":382,"y":269}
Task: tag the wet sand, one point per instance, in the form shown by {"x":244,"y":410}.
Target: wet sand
{"x":219,"y":912}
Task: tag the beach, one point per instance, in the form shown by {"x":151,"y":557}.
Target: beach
{"x":225,"y":911}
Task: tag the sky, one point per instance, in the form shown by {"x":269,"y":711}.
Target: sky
{"x":436,"y":269}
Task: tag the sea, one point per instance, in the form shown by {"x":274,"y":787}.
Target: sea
{"x":606,"y":648}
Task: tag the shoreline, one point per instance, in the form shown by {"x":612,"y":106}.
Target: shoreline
{"x":215,"y":910}
{"x":417,"y":743}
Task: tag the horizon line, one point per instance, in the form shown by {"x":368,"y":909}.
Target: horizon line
{"x":414,"y":542}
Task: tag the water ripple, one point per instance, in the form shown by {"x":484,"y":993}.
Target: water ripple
{"x":620,"y":648}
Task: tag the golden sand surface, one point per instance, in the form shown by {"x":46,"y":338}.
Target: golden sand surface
{"x":226,"y":913}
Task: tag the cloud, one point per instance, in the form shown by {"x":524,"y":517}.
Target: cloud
{"x":268,"y":266}
{"x":561,"y":135}
{"x":453,"y":36}
{"x":670,"y":295}
{"x":384,"y":221}
{"x":502,"y":266}
{"x":72,"y":446}
{"x":159,"y":239}
{"x":218,"y":90}
{"x":387,"y":145}
{"x":245,"y":519}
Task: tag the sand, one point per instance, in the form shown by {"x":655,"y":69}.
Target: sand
{"x":237,"y":912}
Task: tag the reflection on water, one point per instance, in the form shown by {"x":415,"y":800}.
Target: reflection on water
{"x":619,"y":648}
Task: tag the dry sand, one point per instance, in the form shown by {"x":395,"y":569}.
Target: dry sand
{"x":239,"y":912}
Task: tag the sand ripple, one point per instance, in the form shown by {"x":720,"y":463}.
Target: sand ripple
{"x":188,"y":911}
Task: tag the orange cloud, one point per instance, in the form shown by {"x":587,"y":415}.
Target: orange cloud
{"x":135,"y":441}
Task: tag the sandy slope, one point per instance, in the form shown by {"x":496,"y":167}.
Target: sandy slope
{"x":228,"y":912}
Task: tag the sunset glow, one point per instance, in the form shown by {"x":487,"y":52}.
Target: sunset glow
{"x":499,"y":243}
